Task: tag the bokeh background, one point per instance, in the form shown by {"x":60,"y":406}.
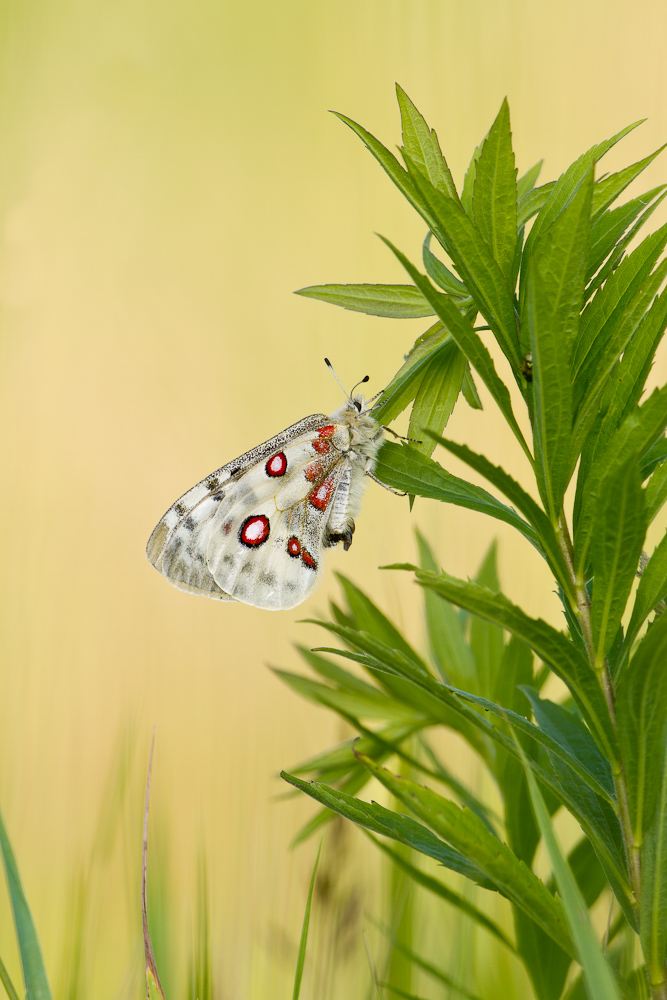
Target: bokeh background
{"x":168,"y":176}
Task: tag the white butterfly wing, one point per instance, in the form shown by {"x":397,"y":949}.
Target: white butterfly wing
{"x":180,"y":541}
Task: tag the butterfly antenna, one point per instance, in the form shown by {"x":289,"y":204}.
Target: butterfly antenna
{"x":331,"y":367}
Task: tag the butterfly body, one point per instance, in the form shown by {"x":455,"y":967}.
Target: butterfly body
{"x":256,"y":529}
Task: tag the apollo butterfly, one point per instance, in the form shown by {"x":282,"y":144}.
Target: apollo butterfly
{"x":256,"y":530}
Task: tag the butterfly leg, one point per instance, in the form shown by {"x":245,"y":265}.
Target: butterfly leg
{"x":399,"y":437}
{"x":384,"y":485}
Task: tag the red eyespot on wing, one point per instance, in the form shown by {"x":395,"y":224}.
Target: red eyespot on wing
{"x":328,"y":431}
{"x":321,"y":495}
{"x":321,"y":447}
{"x":277,"y":465}
{"x":294,"y":547}
{"x":308,"y":560}
{"x":314,"y":470}
{"x":254,"y":530}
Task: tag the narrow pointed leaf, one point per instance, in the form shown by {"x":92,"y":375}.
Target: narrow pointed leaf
{"x":404,"y":386}
{"x":652,"y":589}
{"x":391,"y":301}
{"x":421,"y":143}
{"x":439,"y":889}
{"x":560,"y":655}
{"x":616,"y":549}
{"x":470,"y":837}
{"x":522,"y":501}
{"x":568,"y":183}
{"x":495,"y":193}
{"x":403,"y":468}
{"x":656,"y":492}
{"x":404,"y":829}
{"x":609,"y":227}
{"x":34,"y":973}
{"x":436,"y":397}
{"x":469,"y":182}
{"x":441,"y":274}
{"x":653,"y":922}
{"x":469,"y":342}
{"x":608,"y":189}
{"x":528,"y":180}
{"x":475,"y":263}
{"x":641,"y":712}
{"x":552,"y":395}
{"x":532,"y":202}
{"x":367,"y":617}
{"x":632,"y":439}
{"x":449,"y":649}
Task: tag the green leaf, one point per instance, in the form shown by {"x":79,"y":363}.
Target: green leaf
{"x":602,"y":315}
{"x":608,"y":189}
{"x":609,"y":227}
{"x":470,"y":344}
{"x":367,"y":617}
{"x":581,"y":752}
{"x":391,"y":301}
{"x":10,"y":989}
{"x":474,"y":262}
{"x":471,"y":838}
{"x":557,"y":652}
{"x":532,"y":202}
{"x":449,"y":650}
{"x":494,"y":199}
{"x":442,"y":276}
{"x":560,"y":257}
{"x":633,"y":438}
{"x":652,"y":589}
{"x":404,"y":829}
{"x":656,"y":492}
{"x":569,"y":182}
{"x":301,"y":958}
{"x":629,"y":378}
{"x":597,"y":973}
{"x":389,"y":164}
{"x":348,"y":703}
{"x":617,"y":256}
{"x":469,"y":182}
{"x":552,"y":396}
{"x":523,"y":502}
{"x":615,"y":550}
{"x":653,"y":922}
{"x":436,"y":397}
{"x":404,"y":386}
{"x":641,"y":714}
{"x":404,"y":468}
{"x":439,"y":889}
{"x":528,"y":180}
{"x":569,"y":744}
{"x":469,"y":390}
{"x":487,"y":641}
{"x":421,"y":144}
{"x":32,"y":963}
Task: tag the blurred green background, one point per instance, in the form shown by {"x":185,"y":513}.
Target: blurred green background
{"x":168,"y":176}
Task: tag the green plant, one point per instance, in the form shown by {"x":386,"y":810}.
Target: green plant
{"x":574,"y":318}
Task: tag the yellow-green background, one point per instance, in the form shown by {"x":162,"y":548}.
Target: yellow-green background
{"x":168,"y":176}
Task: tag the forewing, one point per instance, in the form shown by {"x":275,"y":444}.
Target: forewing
{"x":177,"y":547}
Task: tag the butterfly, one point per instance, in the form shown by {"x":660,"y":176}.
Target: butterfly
{"x":256,"y":530}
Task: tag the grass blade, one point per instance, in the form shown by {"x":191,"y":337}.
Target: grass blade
{"x":304,"y":930}
{"x":34,"y":974}
{"x":598,"y":975}
{"x":153,"y":986}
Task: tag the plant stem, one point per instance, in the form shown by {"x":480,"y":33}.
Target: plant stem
{"x":583,"y":613}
